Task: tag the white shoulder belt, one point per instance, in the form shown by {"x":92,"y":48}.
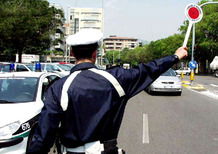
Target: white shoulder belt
{"x":108,"y":76}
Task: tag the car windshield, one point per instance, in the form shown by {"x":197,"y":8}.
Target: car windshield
{"x":32,"y":67}
{"x":50,"y":67}
{"x":64,"y":67}
{"x":18,"y":90}
{"x":170,"y":72}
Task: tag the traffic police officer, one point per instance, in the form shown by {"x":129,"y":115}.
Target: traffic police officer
{"x":87,"y":106}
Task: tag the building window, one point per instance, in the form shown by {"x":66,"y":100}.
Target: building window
{"x":109,"y":43}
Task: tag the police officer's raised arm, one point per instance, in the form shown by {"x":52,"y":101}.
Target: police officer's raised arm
{"x":138,"y":78}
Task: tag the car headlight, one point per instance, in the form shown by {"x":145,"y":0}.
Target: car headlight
{"x":7,"y":130}
{"x":156,"y":83}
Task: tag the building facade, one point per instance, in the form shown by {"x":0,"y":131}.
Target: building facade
{"x":119,"y":43}
{"x":58,"y":37}
{"x":83,"y":18}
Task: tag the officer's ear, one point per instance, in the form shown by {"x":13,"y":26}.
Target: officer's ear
{"x":94,"y":56}
{"x":71,"y":52}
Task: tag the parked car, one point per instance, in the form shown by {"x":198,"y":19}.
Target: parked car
{"x":214,"y":66}
{"x":66,"y":67}
{"x":70,"y":65}
{"x":185,"y":71}
{"x":60,"y":69}
{"x":17,"y":67}
{"x":4,"y":67}
{"x":21,"y":100}
{"x":167,"y":82}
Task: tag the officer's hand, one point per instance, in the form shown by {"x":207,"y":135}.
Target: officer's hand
{"x":182,"y":52}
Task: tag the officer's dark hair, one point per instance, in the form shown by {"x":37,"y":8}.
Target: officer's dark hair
{"x":84,"y":51}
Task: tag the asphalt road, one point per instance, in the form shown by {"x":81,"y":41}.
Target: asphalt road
{"x":209,"y":82}
{"x":184,"y":124}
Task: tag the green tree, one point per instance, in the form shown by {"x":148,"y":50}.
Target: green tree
{"x":134,"y":56}
{"x":164,"y":47}
{"x":112,"y":56}
{"x":26,"y":26}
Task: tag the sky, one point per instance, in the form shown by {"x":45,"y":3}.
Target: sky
{"x":148,"y":20}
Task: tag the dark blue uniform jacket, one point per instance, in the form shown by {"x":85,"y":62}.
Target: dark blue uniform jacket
{"x":95,"y":109}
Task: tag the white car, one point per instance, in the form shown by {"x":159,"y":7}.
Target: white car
{"x":60,"y":69}
{"x":185,"y":71}
{"x":21,"y":101}
{"x":18,"y":67}
{"x":214,"y":66}
{"x":167,"y":82}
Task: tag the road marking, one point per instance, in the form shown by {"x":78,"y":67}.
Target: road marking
{"x":145,"y":130}
{"x":214,"y":85}
{"x":188,"y":84}
{"x":207,"y":93}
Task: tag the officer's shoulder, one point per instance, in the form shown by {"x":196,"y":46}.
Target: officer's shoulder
{"x":59,"y":83}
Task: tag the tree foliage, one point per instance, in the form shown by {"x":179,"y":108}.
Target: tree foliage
{"x":26,"y":26}
{"x":112,"y":56}
{"x":207,"y":33}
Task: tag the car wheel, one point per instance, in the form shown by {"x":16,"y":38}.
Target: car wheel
{"x":216,"y":73}
{"x":151,"y":92}
{"x":148,"y":90}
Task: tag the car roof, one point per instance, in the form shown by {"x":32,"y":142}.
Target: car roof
{"x":50,"y":63}
{"x":3,"y":63}
{"x":23,"y":74}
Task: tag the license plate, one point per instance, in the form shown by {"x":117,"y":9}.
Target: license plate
{"x":168,"y":87}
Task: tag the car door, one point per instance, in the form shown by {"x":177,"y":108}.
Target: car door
{"x":47,"y":82}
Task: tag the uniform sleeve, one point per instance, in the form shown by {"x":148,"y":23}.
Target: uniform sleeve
{"x":45,"y":133}
{"x":139,"y":78}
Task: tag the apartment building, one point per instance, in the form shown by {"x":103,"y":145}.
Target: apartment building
{"x":119,"y":43}
{"x":58,"y":37}
{"x":83,"y":18}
